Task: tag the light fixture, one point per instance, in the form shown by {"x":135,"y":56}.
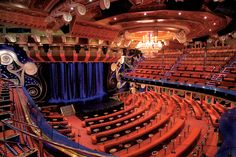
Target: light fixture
{"x":11,"y":38}
{"x":36,"y":38}
{"x":209,"y":30}
{"x":160,"y":20}
{"x":145,"y":21}
{"x":205,"y":17}
{"x":90,"y":0}
{"x":218,"y":0}
{"x":115,"y":18}
{"x":214,"y":23}
{"x":179,"y":13}
{"x":80,"y":9}
{"x":149,"y":43}
{"x":145,"y":14}
{"x":104,"y":4}
{"x":67,"y":17}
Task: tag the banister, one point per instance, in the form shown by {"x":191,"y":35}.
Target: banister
{"x":83,"y":152}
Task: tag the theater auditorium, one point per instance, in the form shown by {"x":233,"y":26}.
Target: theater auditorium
{"x":117,"y":78}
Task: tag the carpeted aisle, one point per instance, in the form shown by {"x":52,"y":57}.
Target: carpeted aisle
{"x":83,"y":137}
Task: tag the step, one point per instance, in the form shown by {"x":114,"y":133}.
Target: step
{"x":5,"y":102}
{"x":5,"y":127}
{"x":5,"y":107}
{"x":33,"y":153}
{"x":12,"y":137}
{"x":5,"y":115}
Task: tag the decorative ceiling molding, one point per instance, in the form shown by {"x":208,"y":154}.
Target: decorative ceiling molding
{"x":195,"y":24}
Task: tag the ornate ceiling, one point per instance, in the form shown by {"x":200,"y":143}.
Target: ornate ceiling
{"x":125,"y":20}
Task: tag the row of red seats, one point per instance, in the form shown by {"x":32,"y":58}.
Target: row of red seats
{"x":134,"y":135}
{"x":155,"y":140}
{"x":215,"y":116}
{"x":119,"y":120}
{"x":187,"y":143}
{"x":196,"y":108}
{"x":199,"y":68}
{"x":58,"y":122}
{"x":138,"y":122}
{"x":92,"y":121}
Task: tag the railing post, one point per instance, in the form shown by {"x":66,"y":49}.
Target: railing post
{"x":41,"y":144}
{"x":4,"y":139}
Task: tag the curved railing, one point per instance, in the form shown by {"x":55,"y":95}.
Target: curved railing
{"x":218,"y":92}
{"x":37,"y":117}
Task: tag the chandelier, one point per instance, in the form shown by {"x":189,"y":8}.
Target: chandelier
{"x":150,"y":43}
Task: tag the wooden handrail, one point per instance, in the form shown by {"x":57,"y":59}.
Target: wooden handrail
{"x":84,"y":152}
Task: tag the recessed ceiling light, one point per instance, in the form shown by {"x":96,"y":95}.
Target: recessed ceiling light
{"x":71,"y":8}
{"x":209,"y":30}
{"x":214,"y":23}
{"x":179,"y":13}
{"x":145,"y":14}
{"x":115,"y":18}
{"x":205,"y":17}
{"x":90,"y":0}
{"x":145,"y":21}
{"x":160,"y":20}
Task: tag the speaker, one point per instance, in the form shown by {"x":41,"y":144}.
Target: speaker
{"x":46,"y":48}
{"x":77,"y":48}
{"x":65,"y":29}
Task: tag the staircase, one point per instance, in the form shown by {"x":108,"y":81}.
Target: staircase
{"x":225,"y":70}
{"x":181,"y":57}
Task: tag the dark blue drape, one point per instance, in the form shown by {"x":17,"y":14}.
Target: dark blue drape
{"x":71,"y":82}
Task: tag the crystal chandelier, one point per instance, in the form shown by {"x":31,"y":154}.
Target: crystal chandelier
{"x":150,"y":43}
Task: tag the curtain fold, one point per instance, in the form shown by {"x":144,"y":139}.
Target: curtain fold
{"x":71,"y":82}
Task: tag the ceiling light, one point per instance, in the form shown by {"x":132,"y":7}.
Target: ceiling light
{"x":90,"y":0}
{"x":214,"y":23}
{"x":145,"y":14}
{"x":160,"y":20}
{"x":179,"y":13}
{"x":145,"y":21}
{"x":71,"y":8}
{"x":205,"y":17}
{"x":209,"y":30}
{"x":115,"y":18}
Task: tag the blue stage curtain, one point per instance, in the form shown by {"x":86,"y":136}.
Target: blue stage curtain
{"x":71,"y":82}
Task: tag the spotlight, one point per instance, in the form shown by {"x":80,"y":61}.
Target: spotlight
{"x":46,"y":48}
{"x":81,"y":9}
{"x":67,"y":17}
{"x":104,"y":4}
{"x":77,"y":48}
{"x":11,"y":38}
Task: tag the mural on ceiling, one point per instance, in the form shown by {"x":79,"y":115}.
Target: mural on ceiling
{"x":16,"y":67}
